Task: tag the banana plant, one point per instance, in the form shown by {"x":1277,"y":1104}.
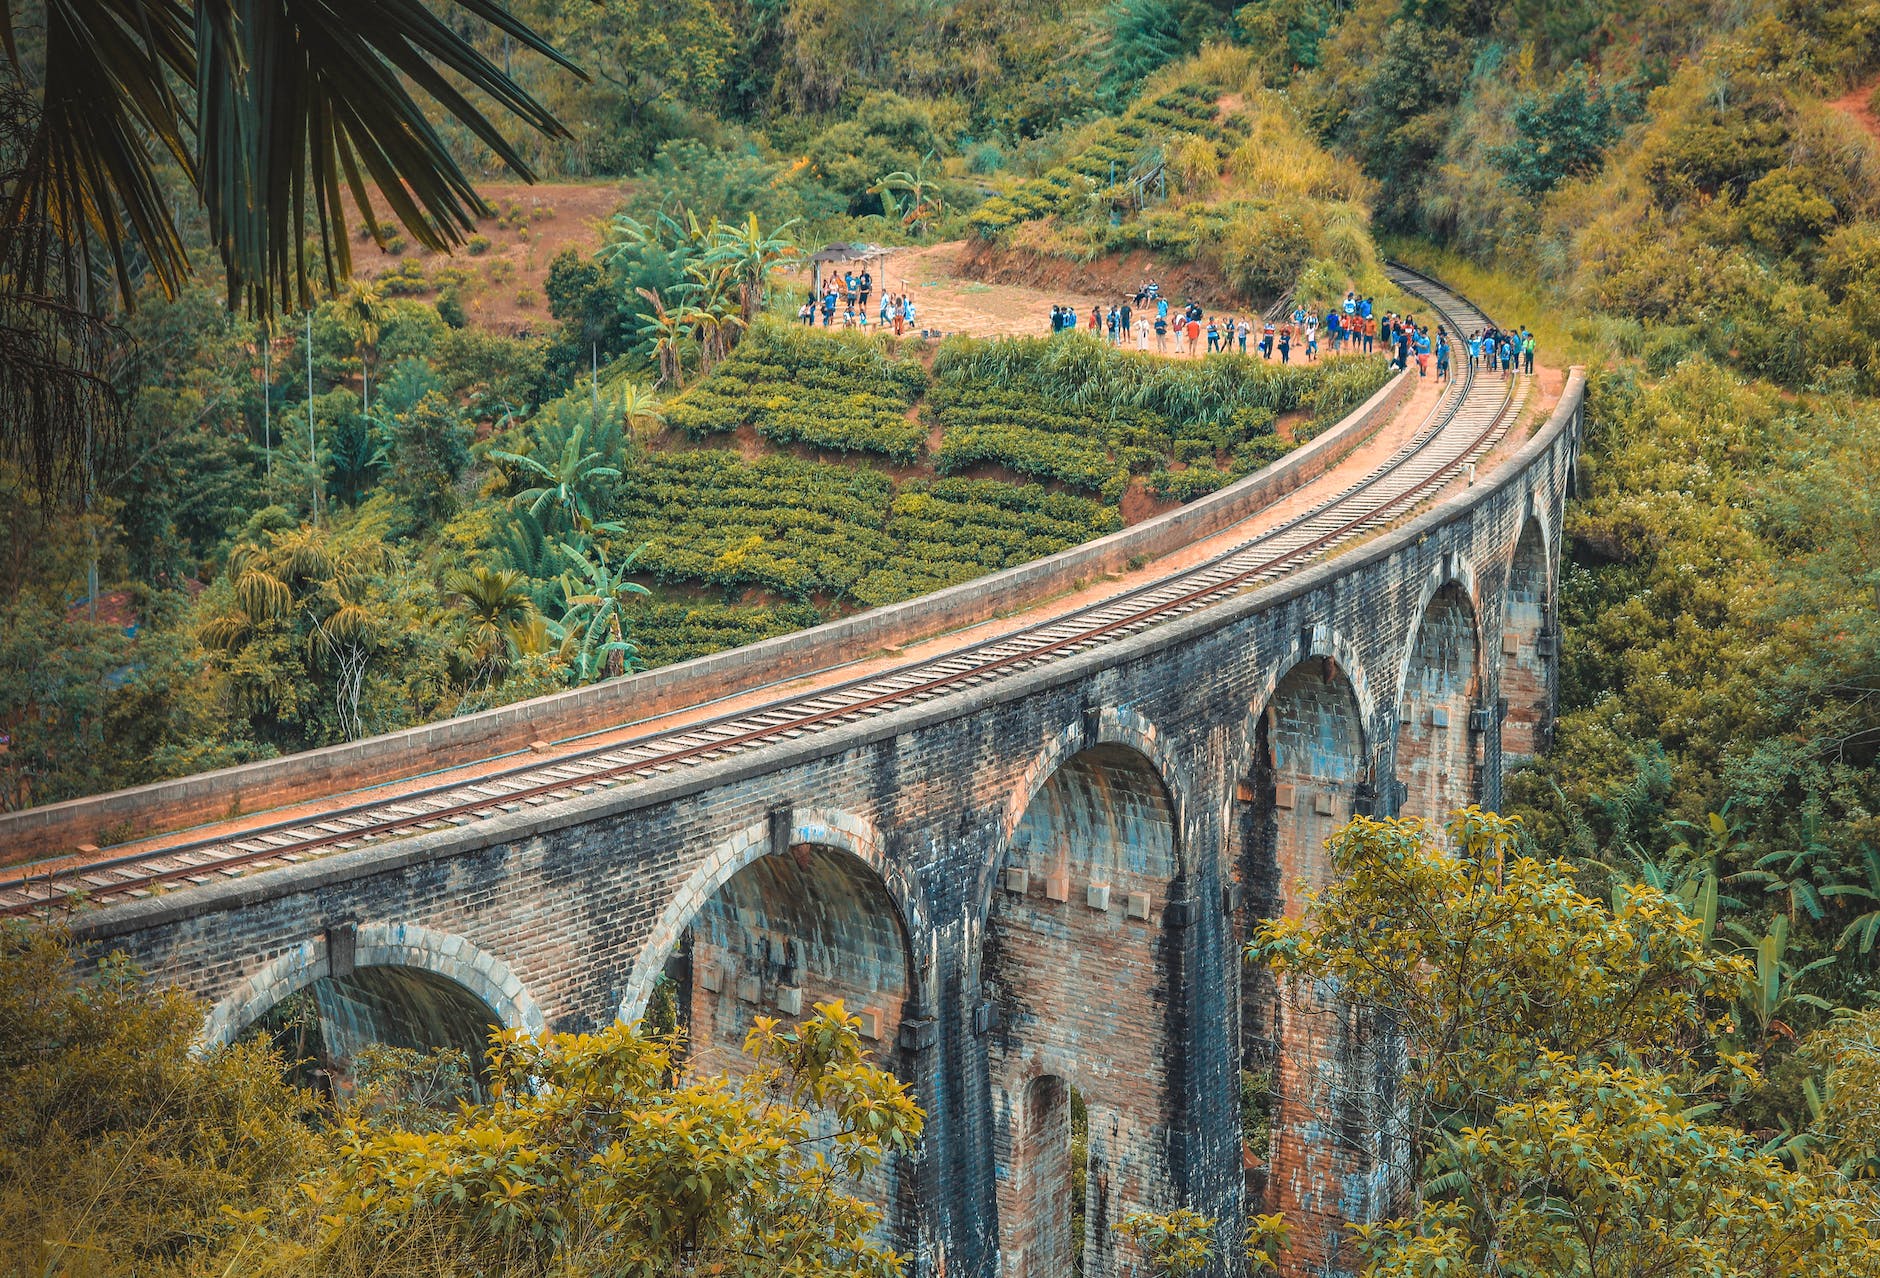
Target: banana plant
{"x":1789,"y":872}
{"x":1772,"y":989}
{"x":1866,"y":927}
{"x":565,"y":484}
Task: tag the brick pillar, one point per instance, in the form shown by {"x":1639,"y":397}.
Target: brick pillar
{"x":1305,"y":781}
{"x":1528,"y":652}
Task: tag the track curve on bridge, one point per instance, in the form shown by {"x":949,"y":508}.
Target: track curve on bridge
{"x":1465,"y":424}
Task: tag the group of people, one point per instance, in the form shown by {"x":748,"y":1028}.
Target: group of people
{"x":848,"y":293}
{"x":1354,"y":326}
{"x":1148,"y":316}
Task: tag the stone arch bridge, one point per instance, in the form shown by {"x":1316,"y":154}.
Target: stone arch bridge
{"x":1033,"y":887}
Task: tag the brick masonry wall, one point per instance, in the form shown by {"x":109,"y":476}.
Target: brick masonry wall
{"x":1527,"y":648}
{"x":562,"y":916}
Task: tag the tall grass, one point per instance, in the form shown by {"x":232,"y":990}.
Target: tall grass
{"x":1083,"y":373}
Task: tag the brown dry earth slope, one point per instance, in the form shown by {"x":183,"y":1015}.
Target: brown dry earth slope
{"x":502,"y":286}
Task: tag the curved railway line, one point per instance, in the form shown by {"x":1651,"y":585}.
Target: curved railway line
{"x":1467,"y":421}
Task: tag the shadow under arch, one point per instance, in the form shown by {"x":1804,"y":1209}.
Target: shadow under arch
{"x":1439,"y":737}
{"x":839,"y":831}
{"x":406,"y":986}
{"x":480,"y":974}
{"x":1113,"y":725}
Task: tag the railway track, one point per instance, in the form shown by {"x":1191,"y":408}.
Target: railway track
{"x":1467,"y":421}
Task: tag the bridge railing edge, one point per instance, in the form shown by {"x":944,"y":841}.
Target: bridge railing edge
{"x":268,"y":783}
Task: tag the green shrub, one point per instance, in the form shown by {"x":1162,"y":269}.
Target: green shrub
{"x":477,"y":245}
{"x":1186,"y":485}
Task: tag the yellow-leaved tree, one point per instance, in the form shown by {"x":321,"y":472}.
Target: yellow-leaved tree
{"x":599,"y":1154}
{"x":1566,"y":1070}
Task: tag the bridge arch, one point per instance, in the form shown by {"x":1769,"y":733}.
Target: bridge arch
{"x":843,"y":832}
{"x":1307,"y":767}
{"x":412,"y":946}
{"x":1113,"y":725}
{"x":1528,"y":658}
{"x":1079,"y":970}
{"x":1439,"y":739}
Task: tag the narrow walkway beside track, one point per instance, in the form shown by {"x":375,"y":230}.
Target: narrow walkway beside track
{"x":1440,"y":434}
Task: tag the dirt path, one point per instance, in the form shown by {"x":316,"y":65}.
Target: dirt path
{"x":949,"y":303}
{"x":1860,"y":105}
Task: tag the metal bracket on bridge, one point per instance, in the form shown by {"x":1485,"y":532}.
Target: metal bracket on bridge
{"x":782,"y":821}
{"x":342,"y":944}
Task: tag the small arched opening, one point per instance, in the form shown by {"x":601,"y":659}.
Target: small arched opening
{"x":1527,"y":650}
{"x":1439,"y":734}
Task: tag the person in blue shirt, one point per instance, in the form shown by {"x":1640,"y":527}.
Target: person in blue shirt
{"x":1475,"y":348}
{"x":1161,"y":308}
{"x":1364,"y":308}
{"x":1442,"y":357}
{"x":829,"y":307}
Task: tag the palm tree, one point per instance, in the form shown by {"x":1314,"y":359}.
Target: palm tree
{"x":498,"y":614}
{"x":269,"y":108}
{"x":751,"y":253}
{"x":922,"y":200}
{"x":363,"y":304}
{"x":597,"y":603}
{"x":564,"y":484}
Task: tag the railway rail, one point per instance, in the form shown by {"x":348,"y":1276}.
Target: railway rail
{"x":1467,"y":421}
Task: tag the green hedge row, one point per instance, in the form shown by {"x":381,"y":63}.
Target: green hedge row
{"x":809,"y":529}
{"x":671,"y":632}
{"x":1186,"y":109}
{"x":845,"y":392}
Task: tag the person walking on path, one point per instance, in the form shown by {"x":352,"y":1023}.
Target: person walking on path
{"x":1312,"y":343}
{"x":1442,"y":356}
{"x":864,"y":286}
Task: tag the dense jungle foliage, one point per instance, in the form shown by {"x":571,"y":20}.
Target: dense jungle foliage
{"x":392,"y":515}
